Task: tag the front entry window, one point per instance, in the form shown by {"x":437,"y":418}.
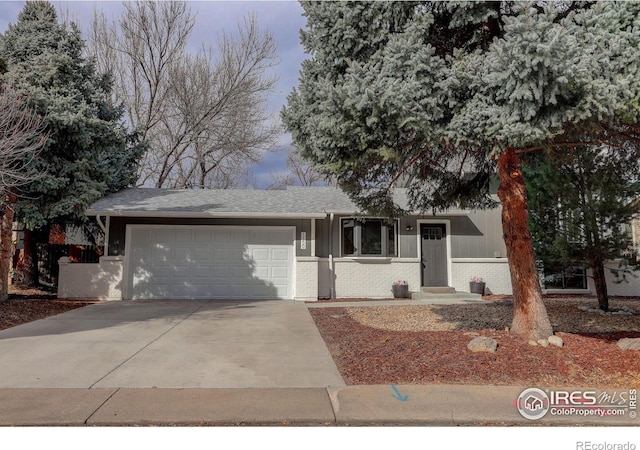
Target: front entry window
{"x":433,"y":233}
{"x":369,"y":237}
{"x":348,"y":247}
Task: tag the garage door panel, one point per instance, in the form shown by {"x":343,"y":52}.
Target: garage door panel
{"x":260,"y":254}
{"x":202,"y":253}
{"x":182,"y":254}
{"x":210,"y":262}
{"x":280,"y":254}
{"x":162,"y":236}
{"x":280,"y":273}
{"x":202,"y":236}
{"x":150,"y":291}
{"x":162,"y":272}
{"x":201,"y":272}
{"x":261,"y":272}
{"x":183,"y":236}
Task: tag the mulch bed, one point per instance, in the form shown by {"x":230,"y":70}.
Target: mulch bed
{"x":27,"y":304}
{"x":376,"y":346}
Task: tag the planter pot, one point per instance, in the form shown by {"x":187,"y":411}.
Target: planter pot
{"x":401,"y":291}
{"x":476,"y":288}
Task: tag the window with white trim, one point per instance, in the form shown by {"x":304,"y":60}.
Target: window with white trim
{"x":369,"y":237}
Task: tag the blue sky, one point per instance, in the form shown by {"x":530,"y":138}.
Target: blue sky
{"x":282,"y":18}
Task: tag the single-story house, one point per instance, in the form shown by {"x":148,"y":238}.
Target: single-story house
{"x":302,"y":243}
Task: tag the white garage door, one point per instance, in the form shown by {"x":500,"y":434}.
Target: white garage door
{"x":210,"y":262}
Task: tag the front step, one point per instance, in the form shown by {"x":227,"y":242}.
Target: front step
{"x":444,"y":294}
{"x":438,"y":290}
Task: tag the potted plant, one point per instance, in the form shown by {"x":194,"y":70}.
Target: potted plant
{"x":477,"y":285}
{"x":400,"y":289}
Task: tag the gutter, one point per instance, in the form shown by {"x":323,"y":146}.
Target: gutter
{"x":204,"y":215}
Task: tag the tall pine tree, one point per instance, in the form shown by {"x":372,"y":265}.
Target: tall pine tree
{"x":581,"y":206}
{"x":89,"y":151}
{"x":452,"y":93}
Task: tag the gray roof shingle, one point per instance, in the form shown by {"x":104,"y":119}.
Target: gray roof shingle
{"x":300,"y":202}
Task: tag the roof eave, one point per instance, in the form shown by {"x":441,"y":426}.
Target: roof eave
{"x":206,"y":215}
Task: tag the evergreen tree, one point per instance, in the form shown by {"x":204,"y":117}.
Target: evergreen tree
{"x":452,"y":93}
{"x":89,"y":151}
{"x":581,"y":206}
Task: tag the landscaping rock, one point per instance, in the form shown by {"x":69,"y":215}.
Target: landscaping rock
{"x":543,"y":342}
{"x":621,"y":311}
{"x":483,"y":344}
{"x":629,"y":343}
{"x":555,"y":340}
{"x":532,"y":342}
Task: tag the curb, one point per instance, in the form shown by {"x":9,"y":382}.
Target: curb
{"x":375,"y":405}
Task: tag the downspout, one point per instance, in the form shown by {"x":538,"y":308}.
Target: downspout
{"x":332,"y":289}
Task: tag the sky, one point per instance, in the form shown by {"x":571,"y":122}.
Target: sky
{"x":282,"y":18}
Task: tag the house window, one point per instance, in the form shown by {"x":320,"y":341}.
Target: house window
{"x":369,"y":237}
{"x":573,"y":277}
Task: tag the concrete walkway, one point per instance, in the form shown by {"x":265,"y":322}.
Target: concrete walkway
{"x":435,"y":300}
{"x":440,"y":405}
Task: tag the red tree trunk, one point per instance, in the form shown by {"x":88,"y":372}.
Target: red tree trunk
{"x":530,"y":319}
{"x":6,"y":247}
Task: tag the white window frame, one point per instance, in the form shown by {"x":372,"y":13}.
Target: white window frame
{"x":357,"y":236}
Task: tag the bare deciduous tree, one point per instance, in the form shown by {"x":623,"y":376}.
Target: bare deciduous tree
{"x":204,"y":116}
{"x":300,"y":173}
{"x":21,"y":138}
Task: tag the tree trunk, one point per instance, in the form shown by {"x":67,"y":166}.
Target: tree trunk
{"x":597,"y":266}
{"x":6,"y":247}
{"x":530,"y":319}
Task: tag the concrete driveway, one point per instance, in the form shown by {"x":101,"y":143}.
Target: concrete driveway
{"x":169,"y":344}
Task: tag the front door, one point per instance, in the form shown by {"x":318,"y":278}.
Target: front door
{"x":434,"y":255}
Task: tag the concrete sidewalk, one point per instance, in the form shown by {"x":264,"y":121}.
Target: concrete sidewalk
{"x":433,"y":405}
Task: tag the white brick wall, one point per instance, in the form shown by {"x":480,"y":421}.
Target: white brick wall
{"x":102,"y":281}
{"x":353,"y":277}
{"x":498,"y":278}
{"x":494,"y":271}
{"x":369,"y":277}
{"x":306,"y":278}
